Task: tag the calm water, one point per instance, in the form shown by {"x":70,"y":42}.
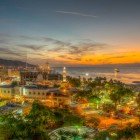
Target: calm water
{"x":127,"y":74}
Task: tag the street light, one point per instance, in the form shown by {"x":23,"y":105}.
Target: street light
{"x":87,"y":74}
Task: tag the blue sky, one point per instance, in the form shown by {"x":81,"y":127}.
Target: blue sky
{"x":107,"y":28}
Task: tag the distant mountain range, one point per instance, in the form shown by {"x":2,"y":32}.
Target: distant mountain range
{"x":14,"y":63}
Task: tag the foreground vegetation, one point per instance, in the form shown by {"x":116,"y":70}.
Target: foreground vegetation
{"x":111,"y":99}
{"x":41,"y":120}
{"x":37,"y":124}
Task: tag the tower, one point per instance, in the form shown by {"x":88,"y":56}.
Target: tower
{"x":64,"y":74}
{"x":116,"y":71}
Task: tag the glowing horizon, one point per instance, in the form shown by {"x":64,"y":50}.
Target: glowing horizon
{"x":70,"y":33}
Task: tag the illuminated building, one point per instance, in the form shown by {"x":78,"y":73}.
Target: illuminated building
{"x":42,"y":74}
{"x":36,"y":76}
{"x":41,"y":83}
{"x":45,"y":68}
{"x":9,"y":91}
{"x":3,"y":73}
{"x":51,"y":96}
{"x":13,"y":73}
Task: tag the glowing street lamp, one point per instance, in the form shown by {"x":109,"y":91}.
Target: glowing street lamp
{"x":87,"y":74}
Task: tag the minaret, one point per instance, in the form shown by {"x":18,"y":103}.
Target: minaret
{"x":64,"y":74}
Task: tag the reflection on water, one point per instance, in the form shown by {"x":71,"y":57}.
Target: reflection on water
{"x":126,"y":74}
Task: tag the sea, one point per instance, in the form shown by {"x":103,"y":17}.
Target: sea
{"x":126,"y":74}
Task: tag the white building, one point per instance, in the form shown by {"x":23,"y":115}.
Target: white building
{"x":50,"y":96}
{"x":9,"y":92}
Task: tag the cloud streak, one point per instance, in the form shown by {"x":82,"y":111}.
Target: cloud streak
{"x":57,"y":42}
{"x":57,"y":52}
{"x":33,"y":47}
{"x":76,"y":13}
{"x":78,"y":49}
{"x":8,"y":51}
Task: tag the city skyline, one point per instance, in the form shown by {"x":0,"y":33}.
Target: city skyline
{"x":69,"y":69}
{"x":70,"y":32}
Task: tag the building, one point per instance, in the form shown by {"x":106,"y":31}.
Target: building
{"x":52,"y":97}
{"x":37,"y":76}
{"x":13,"y":73}
{"x":3,"y":73}
{"x":9,"y":91}
{"x":40,"y":83}
{"x":41,"y":74}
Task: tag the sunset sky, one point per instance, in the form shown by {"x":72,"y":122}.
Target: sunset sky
{"x":70,"y":32}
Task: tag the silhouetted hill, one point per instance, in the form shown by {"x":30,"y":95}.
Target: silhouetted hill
{"x":14,"y":63}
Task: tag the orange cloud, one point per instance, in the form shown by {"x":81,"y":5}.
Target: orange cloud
{"x":121,"y":58}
